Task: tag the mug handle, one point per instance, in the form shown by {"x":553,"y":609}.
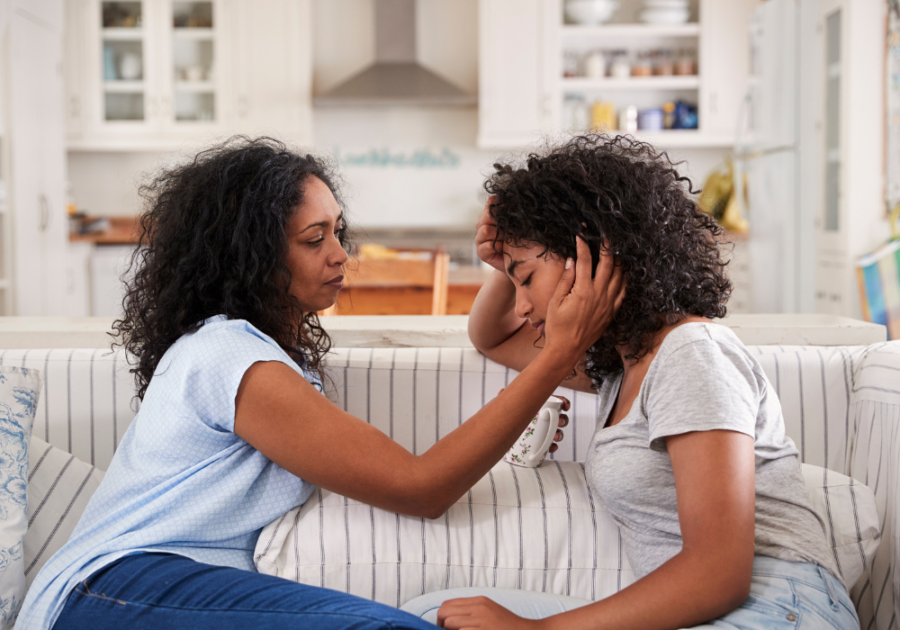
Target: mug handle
{"x":533,"y":458}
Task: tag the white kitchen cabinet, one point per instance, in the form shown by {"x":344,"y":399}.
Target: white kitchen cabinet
{"x":34,"y":133}
{"x":522,"y":90}
{"x":849,"y":119}
{"x":157,"y":74}
{"x":515,"y":90}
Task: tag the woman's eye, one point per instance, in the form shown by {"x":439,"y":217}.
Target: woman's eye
{"x":316,"y":242}
{"x":527,"y":280}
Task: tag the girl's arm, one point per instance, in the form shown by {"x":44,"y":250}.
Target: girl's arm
{"x":715,"y":486}
{"x":494,"y":328}
{"x":286,"y":419}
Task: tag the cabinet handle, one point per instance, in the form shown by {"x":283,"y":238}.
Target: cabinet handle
{"x":74,"y":107}
{"x":45,"y":212}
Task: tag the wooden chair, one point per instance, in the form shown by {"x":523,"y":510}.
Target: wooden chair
{"x":405,"y":285}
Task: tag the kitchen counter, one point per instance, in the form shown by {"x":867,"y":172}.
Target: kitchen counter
{"x":378,"y":331}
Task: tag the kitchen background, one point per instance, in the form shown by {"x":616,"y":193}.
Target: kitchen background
{"x":782,"y":102}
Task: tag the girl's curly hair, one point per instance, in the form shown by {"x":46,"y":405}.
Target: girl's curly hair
{"x":213,"y":243}
{"x":622,"y":196}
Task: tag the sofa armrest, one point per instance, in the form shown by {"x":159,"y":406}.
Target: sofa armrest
{"x":873,"y":458}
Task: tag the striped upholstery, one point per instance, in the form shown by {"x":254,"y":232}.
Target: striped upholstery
{"x":59,"y":488}
{"x":86,"y":405}
{"x":841,"y":407}
{"x":537,"y":529}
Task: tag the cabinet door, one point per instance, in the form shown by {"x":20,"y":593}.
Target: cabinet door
{"x":273,"y":63}
{"x":122,"y":86}
{"x":514,"y":106}
{"x":724,"y":61}
{"x":37,"y":157}
{"x":194,"y":66}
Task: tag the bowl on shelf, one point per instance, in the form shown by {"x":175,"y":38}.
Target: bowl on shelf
{"x":666,"y":4}
{"x":589,"y":12}
{"x":665,"y":16}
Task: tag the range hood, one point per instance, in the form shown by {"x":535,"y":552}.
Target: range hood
{"x":395,"y":78}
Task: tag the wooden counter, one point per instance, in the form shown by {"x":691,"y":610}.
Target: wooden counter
{"x":122,"y":231}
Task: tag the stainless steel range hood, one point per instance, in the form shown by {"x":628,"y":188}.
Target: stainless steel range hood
{"x":395,"y":78}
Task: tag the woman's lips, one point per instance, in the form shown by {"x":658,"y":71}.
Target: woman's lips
{"x":336,"y":283}
{"x":539,"y":327}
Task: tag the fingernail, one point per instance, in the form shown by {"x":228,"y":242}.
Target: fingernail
{"x":568,"y":263}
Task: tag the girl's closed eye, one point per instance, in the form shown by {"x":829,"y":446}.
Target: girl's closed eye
{"x":527,"y":280}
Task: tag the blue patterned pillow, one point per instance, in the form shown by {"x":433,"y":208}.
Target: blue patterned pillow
{"x":19,"y":391}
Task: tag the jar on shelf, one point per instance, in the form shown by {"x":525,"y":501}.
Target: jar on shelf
{"x":575,"y":114}
{"x":650,"y":119}
{"x":686,"y":64}
{"x":664,"y":66}
{"x":603,"y":116}
{"x":628,"y":119}
{"x":595,"y":65}
{"x":571,"y":63}
{"x":620,"y":67}
{"x":642,"y":67}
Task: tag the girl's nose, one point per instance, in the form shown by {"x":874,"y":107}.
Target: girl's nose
{"x":523,"y":306}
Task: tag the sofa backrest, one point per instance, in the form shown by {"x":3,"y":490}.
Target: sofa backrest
{"x":418,"y":395}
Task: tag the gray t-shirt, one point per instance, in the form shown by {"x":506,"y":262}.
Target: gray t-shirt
{"x":701,"y":379}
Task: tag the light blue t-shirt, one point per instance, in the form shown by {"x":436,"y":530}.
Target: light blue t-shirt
{"x":181,"y":481}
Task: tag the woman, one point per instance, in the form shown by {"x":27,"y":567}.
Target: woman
{"x":241,"y":247}
{"x":689,"y":454}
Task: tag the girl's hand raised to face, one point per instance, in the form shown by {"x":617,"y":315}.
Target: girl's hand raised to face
{"x":581,"y":308}
{"x":485,"y":234}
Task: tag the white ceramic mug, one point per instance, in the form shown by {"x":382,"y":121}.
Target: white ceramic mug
{"x":532,"y":446}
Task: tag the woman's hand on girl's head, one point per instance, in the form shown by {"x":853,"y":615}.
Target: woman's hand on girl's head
{"x":486,"y":235}
{"x":582,"y":308}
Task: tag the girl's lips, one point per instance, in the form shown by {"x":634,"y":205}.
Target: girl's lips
{"x":337,"y":283}
{"x":539,"y":328}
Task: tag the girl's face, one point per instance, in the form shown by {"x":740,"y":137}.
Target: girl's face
{"x":535,"y":275}
{"x":315,"y":256}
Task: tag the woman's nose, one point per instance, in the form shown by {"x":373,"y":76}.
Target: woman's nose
{"x":339,"y":255}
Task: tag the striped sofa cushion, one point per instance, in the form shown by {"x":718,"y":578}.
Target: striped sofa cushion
{"x":538,"y":529}
{"x":59,"y":488}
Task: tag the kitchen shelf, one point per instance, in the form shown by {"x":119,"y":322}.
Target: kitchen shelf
{"x":123,"y":34}
{"x":683,"y":139}
{"x":193,"y":33}
{"x":195,"y":87}
{"x":123,"y":87}
{"x":691,"y":29}
{"x":631,"y":83}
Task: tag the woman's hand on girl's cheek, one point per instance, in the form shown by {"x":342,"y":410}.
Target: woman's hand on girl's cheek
{"x":482,"y":613}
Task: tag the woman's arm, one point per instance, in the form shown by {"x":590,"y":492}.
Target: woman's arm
{"x":715,"y":486}
{"x":286,"y":419}
{"x":494,"y":328}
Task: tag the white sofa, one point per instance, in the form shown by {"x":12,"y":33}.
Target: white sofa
{"x":841,"y":407}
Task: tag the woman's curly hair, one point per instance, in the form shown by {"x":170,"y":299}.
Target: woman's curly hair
{"x":212,"y":243}
{"x":622,"y":196}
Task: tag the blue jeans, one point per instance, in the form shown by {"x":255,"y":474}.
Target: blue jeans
{"x":150,"y":591}
{"x":782,"y":595}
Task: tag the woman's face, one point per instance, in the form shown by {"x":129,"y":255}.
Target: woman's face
{"x":315,"y":256}
{"x":535,"y":275}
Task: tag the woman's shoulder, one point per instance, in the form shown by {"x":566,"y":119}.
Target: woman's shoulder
{"x":218,"y":340}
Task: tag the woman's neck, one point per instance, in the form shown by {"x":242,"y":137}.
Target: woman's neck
{"x":643,"y":363}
